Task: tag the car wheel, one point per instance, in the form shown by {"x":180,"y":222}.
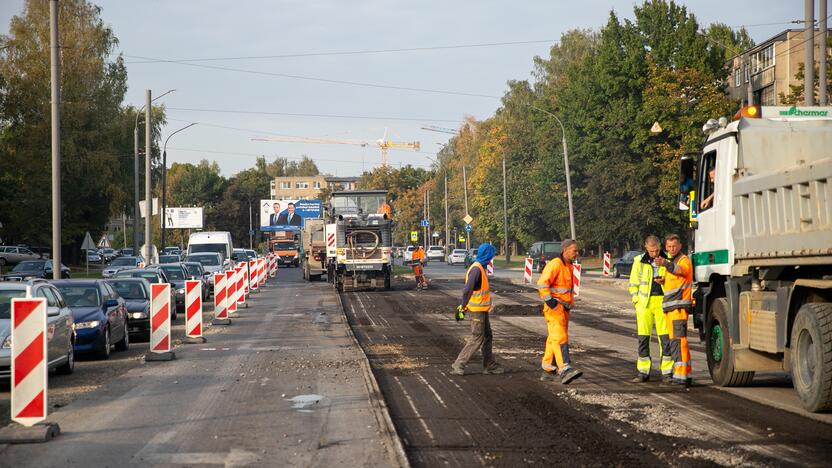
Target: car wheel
{"x":69,"y":366}
{"x":173,"y":312}
{"x":124,"y":344}
{"x":615,"y":271}
{"x":2,"y":261}
{"x":104,"y":350}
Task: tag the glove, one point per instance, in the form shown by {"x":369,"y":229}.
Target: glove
{"x":460,"y":313}
{"x":552,"y":303}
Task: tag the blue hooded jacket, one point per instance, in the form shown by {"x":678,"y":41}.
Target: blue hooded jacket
{"x":485,"y":253}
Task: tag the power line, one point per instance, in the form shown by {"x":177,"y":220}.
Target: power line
{"x":329,"y":116}
{"x":765,"y":24}
{"x":295,"y":158}
{"x":336,"y":53}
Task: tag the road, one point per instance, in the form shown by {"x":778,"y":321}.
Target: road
{"x":479,"y":420}
{"x":285,"y":384}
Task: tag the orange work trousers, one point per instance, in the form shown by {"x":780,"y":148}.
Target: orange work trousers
{"x":556,"y":355}
{"x":678,"y":327}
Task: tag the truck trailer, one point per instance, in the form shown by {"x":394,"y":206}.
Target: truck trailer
{"x":313,"y":249}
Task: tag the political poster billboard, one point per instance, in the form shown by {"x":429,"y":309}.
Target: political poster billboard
{"x":183,"y":218}
{"x":287,"y":215}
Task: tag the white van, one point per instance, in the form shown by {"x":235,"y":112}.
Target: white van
{"x":219,"y":242}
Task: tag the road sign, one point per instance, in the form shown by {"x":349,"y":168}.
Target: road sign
{"x":435,"y":234}
{"x":88,"y":244}
{"x":469,"y":228}
{"x":414,"y":236}
{"x":425,"y":223}
{"x":104,"y":242}
{"x":467,"y":219}
{"x":182,"y":218}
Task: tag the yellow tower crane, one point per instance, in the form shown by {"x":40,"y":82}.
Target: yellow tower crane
{"x":383,"y":143}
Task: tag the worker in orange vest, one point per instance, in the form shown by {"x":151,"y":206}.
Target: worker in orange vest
{"x":417,"y":260}
{"x":677,"y":301}
{"x":555,"y":289}
{"x":385,"y":209}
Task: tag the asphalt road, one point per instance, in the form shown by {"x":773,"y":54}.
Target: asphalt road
{"x":511,"y":419}
{"x":285,"y":384}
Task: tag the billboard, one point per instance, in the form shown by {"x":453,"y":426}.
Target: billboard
{"x":287,"y":215}
{"x":183,"y":218}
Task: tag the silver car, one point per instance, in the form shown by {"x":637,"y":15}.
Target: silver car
{"x":60,"y":335}
{"x":211,"y":262}
{"x":14,"y":255}
{"x":121,"y":263}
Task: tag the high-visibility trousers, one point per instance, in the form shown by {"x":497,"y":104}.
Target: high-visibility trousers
{"x":556,"y":355}
{"x":682,"y":368}
{"x":645,"y":318}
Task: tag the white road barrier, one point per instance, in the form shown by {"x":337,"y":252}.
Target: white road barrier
{"x":29,"y":355}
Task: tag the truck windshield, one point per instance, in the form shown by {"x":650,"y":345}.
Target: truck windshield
{"x":286,"y":245}
{"x":356,"y":204}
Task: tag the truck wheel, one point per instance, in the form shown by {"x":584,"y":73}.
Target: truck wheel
{"x":811,"y":346}
{"x":718,"y":348}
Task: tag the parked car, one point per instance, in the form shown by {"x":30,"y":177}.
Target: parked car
{"x":100,"y":316}
{"x":126,"y":252}
{"x":168,"y":258}
{"x":251,"y":254}
{"x":623,"y":265}
{"x":408,"y":254}
{"x":543,"y":251}
{"x":94,"y":257}
{"x":211,"y":261}
{"x":136,"y":295}
{"x":152,"y":275}
{"x":435,"y":252}
{"x":34,"y":269}
{"x":218,"y":242}
{"x":470,"y":257}
{"x":456,"y":256}
{"x":60,"y":340}
{"x":13,"y":255}
{"x":195,"y":271}
{"x":121,"y":263}
{"x":239,"y":255}
{"x":177,"y":275}
{"x":108,"y":254}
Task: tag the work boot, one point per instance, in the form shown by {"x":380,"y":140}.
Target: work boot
{"x":640,"y":378}
{"x":493,"y":369}
{"x":569,"y":375}
{"x":667,"y":380}
{"x":455,"y":370}
{"x":548,"y":376}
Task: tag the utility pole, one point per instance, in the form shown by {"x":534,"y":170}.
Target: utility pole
{"x":250,"y":230}
{"x":823,"y":100}
{"x":55,"y":78}
{"x":136,"y":211}
{"x":447,"y":228}
{"x":465,"y":193}
{"x":505,"y":213}
{"x":148,"y":195}
{"x":809,"y":57}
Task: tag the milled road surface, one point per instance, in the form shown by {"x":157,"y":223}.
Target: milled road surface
{"x":284,"y":385}
{"x":512,"y":419}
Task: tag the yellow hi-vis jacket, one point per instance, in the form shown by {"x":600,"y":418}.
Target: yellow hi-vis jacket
{"x":641,"y":281}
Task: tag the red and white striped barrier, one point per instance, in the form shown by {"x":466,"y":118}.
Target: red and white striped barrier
{"x":527,"y":272}
{"x":489,"y":269}
{"x":220,"y":312}
{"x":264,"y":272}
{"x":576,"y":279}
{"x":160,"y":317}
{"x":607,"y":261}
{"x":272,"y":266}
{"x":193,"y":309}
{"x":253,"y":276}
{"x":231,"y":291}
{"x":241,"y":292}
{"x":246,"y":274}
{"x":29,"y":355}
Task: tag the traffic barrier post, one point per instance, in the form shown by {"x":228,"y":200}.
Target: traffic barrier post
{"x":272,"y":266}
{"x":160,"y":323}
{"x":241,"y":293}
{"x":607,"y":261}
{"x":193,"y":312}
{"x":527,"y":272}
{"x":253,"y":275}
{"x":220,"y":311}
{"x":231,"y":291}
{"x":576,"y":279}
{"x":490,"y":268}
{"x":246,"y":277}
{"x":264,"y":277}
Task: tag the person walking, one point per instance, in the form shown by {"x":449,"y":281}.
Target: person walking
{"x":476,"y":298}
{"x":555,"y":289}
{"x":678,"y":295}
{"x":646,"y":291}
{"x":417,"y":260}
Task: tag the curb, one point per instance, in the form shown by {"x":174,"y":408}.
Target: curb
{"x":377,"y":402}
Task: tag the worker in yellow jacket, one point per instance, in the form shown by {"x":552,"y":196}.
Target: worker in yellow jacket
{"x":678,"y":300}
{"x":646,"y":291}
{"x":555,"y":289}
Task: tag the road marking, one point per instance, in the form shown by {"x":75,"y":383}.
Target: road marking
{"x":438,"y":398}
{"x":415,"y":411}
{"x":235,"y":457}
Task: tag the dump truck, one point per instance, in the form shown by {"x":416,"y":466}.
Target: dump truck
{"x":759,"y":198}
{"x":363,"y":240}
{"x":284,"y":244}
{"x":313,"y":249}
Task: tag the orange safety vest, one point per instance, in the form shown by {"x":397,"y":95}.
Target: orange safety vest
{"x":418,"y":254}
{"x":556,"y":283}
{"x":678,"y":284}
{"x":480,"y":300}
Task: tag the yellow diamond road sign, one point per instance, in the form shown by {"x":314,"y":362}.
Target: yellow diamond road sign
{"x":467,"y":219}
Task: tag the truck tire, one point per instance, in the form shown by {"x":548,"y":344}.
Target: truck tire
{"x":811,"y":346}
{"x":718,"y":348}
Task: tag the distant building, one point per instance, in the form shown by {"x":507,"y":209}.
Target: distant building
{"x":307,"y":187}
{"x":341,"y":183}
{"x":769,"y":68}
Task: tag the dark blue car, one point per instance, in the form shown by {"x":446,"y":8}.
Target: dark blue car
{"x":100,"y":316}
{"x":623,"y":265}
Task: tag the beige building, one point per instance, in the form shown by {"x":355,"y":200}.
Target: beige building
{"x":769,"y":68}
{"x":307,"y":187}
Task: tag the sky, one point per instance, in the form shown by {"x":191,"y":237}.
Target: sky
{"x":315,"y":35}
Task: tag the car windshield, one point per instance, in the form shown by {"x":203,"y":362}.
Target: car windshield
{"x":168,"y":258}
{"x":6,"y":297}
{"x":32,"y":265}
{"x":552,"y":248}
{"x":130,"y":290}
{"x":193,"y":270}
{"x":217,"y":248}
{"x":108,"y":251}
{"x":174,"y":272}
{"x":239,"y":256}
{"x":205,"y":260}
{"x":81,"y":296}
{"x":124,"y":261}
{"x":150,"y":275}
{"x":459,"y":251}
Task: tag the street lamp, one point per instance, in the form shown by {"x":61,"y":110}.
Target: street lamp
{"x":165,"y":178}
{"x":136,"y":212}
{"x":565,"y":168}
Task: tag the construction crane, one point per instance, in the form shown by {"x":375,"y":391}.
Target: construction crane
{"x":383,"y":143}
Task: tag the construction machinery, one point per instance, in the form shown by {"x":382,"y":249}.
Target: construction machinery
{"x":360,"y":234}
{"x":313,"y":249}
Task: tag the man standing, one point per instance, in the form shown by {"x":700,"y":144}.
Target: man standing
{"x":678,"y":294}
{"x":555,"y":288}
{"x":476,"y":298}
{"x":646,"y":291}
{"x":417,"y":260}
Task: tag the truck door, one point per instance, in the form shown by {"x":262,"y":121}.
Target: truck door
{"x":714,"y":244}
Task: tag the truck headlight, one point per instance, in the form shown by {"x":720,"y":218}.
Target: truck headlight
{"x":83,"y":325}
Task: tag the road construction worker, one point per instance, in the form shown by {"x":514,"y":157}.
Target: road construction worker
{"x":417,"y":259}
{"x":555,"y":289}
{"x":646,"y":291}
{"x":476,"y":299}
{"x":678,"y":295}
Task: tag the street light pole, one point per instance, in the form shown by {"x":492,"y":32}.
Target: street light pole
{"x":165,"y":180}
{"x":55,"y":77}
{"x":505,"y":213}
{"x":565,"y":169}
{"x":148,"y":195}
{"x":250,"y":230}
{"x":465,"y":193}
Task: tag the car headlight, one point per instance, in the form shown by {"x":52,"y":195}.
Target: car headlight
{"x":27,"y":278}
{"x":180,"y":291}
{"x":7,"y":343}
{"x":139,"y":315}
{"x":83,"y":325}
